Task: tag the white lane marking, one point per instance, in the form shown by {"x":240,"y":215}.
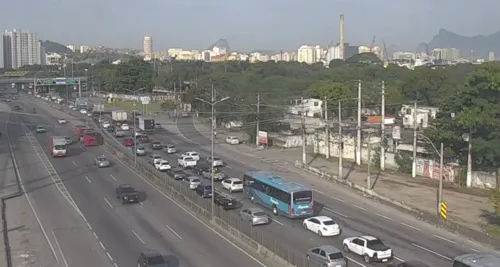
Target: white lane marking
{"x":138,"y":237}
{"x":109,"y":257}
{"x":102,"y":246}
{"x":430,"y":251}
{"x":173,"y":232}
{"x":358,"y":207}
{"x":383,"y":216}
{"x":16,"y":169}
{"x":357,"y":262}
{"x":325,"y":194}
{"x":276,"y":221}
{"x":95,"y":235}
{"x":111,"y":175}
{"x":227,"y":166}
{"x":399,"y":259}
{"x":107,"y":202}
{"x":88,"y":180}
{"x":74,"y":163}
{"x":445,"y":239}
{"x":497,"y":252}
{"x":336,"y":212}
{"x":410,"y":226}
{"x":194,"y":216}
{"x":338,"y":199}
{"x":60,"y":250}
{"x":173,"y":141}
{"x":475,"y":250}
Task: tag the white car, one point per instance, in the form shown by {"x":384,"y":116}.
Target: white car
{"x":186,"y":162}
{"x":232,"y":140}
{"x":141,"y":151}
{"x":125,"y":127}
{"x":83,"y":111}
{"x":233,"y":185}
{"x":138,"y":133}
{"x":217,"y":162}
{"x":105,"y":124}
{"x":89,"y":114}
{"x":61,"y":121}
{"x":322,"y":225}
{"x":163,"y":165}
{"x":170,"y":149}
{"x":368,"y":247}
{"x":193,"y":155}
{"x":155,"y":159}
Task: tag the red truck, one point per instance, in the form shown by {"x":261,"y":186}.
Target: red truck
{"x":87,"y":135}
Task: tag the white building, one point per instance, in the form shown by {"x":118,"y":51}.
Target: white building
{"x":84,"y":49}
{"x":424,"y":116}
{"x":71,"y":47}
{"x":174,"y":52}
{"x":309,"y":107}
{"x":53,"y":59}
{"x":148,"y":46}
{"x":332,"y":52}
{"x":205,"y":56}
{"x":217,"y":51}
{"x":20,"y":49}
{"x":307,"y":54}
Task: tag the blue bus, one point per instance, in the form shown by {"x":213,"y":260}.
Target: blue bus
{"x":283,"y":197}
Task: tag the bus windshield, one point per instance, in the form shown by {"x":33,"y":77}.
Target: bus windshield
{"x":302,"y":197}
{"x":60,"y":147}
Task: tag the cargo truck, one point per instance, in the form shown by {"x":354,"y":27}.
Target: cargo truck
{"x":88,"y":136}
{"x":147,"y":125}
{"x":58,"y":146}
{"x":119,"y":116}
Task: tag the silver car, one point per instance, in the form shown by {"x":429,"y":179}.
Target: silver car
{"x":101,"y":162}
{"x":192,"y":182}
{"x":170,"y":149}
{"x":326,"y":255}
{"x":255,"y":216}
{"x":141,"y":151}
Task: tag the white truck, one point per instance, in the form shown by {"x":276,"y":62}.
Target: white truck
{"x":119,"y":116}
{"x":370,"y":248}
{"x":186,"y":162}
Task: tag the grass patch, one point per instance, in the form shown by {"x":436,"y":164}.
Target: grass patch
{"x":493,"y":230}
{"x":153,"y":107}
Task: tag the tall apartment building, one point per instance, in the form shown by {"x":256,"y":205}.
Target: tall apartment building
{"x":307,"y":54}
{"x":20,"y":48}
{"x":148,"y":46}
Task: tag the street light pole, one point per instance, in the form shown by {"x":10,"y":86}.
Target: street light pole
{"x":134,"y":130}
{"x":212,"y":103}
{"x":440,"y":190}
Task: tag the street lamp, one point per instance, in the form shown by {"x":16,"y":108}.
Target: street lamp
{"x":467,"y":137}
{"x":212,"y":103}
{"x":133,"y":115}
{"x":441,"y":158}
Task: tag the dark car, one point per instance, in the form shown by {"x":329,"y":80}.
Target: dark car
{"x":151,"y":258}
{"x":177,"y":174}
{"x":409,"y":264}
{"x":226,"y":201}
{"x":127,"y":194}
{"x":156,"y":145}
{"x":205,"y":191}
{"x":16,"y":107}
{"x":201,"y":167}
{"x":143,"y":139}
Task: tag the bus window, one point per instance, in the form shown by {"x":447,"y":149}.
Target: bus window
{"x":302,"y":197}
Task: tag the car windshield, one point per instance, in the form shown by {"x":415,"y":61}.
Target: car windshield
{"x":237,"y":182}
{"x":140,"y":148}
{"x":188,"y":159}
{"x":328,"y":222}
{"x":302,"y":197}
{"x":157,"y":157}
{"x":216,"y":158}
{"x":170,"y":146}
{"x":259,"y":213}
{"x":375,"y":243}
{"x":156,"y":142}
{"x":67,"y":138}
{"x":101,"y":159}
{"x":208,"y":187}
{"x":128,"y":190}
{"x":335,"y":256}
{"x":164,"y":163}
{"x":60,"y":147}
{"x":156,"y":261}
{"x":195,"y":180}
{"x":194,"y":154}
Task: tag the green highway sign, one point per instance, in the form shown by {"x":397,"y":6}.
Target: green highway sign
{"x":48,"y":82}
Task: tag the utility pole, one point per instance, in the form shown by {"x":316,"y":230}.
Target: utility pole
{"x":368,"y":178}
{"x":382,"y":130}
{"x":327,"y":130}
{"x":414,"y":162}
{"x":340,"y":143}
{"x":358,"y":140}
{"x":212,"y":103}
{"x":258,"y":121}
{"x":304,"y":158}
{"x":440,"y":190}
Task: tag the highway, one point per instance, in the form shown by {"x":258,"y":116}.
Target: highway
{"x":115,"y":232}
{"x":410,"y":239}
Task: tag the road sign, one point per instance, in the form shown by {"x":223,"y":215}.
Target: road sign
{"x":443,"y":210}
{"x":48,"y":82}
{"x":145,"y":100}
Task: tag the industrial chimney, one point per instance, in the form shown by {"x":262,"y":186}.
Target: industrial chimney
{"x":342,"y":42}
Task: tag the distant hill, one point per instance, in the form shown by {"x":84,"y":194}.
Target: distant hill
{"x":222,"y":43}
{"x":480,"y":44}
{"x":53,"y":47}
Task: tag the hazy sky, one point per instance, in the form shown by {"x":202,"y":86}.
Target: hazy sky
{"x":247,"y":24}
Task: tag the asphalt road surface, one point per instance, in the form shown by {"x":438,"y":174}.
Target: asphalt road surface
{"x":117,"y":232}
{"x":410,"y":239}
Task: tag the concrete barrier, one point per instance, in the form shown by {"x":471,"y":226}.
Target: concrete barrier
{"x":421,"y":215}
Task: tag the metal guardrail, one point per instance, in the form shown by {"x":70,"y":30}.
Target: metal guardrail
{"x":260,"y":239}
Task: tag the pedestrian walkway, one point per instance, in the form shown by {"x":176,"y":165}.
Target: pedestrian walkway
{"x":470,"y":208}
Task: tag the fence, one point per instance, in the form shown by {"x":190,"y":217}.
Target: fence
{"x":260,"y":239}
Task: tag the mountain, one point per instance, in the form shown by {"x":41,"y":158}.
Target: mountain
{"x":480,"y":44}
{"x":222,"y":43}
{"x":53,"y":47}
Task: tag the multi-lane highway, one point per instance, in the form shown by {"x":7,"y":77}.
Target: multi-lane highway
{"x":87,"y":225}
{"x":410,"y":239}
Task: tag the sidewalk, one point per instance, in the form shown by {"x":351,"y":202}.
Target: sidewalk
{"x":470,"y":208}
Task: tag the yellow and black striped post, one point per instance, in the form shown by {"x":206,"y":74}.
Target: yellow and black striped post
{"x":443,"y":210}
